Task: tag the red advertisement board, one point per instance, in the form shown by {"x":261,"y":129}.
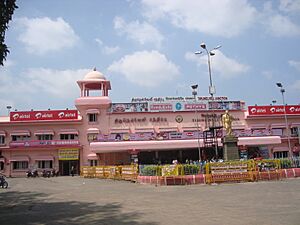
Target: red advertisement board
{"x":43,"y":115}
{"x":273,"y":110}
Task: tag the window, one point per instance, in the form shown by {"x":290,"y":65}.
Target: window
{"x":2,"y":140}
{"x":20,"y":165}
{"x":45,"y":164}
{"x":45,"y":137}
{"x":68,"y":136}
{"x":92,"y":137}
{"x":294,"y":131}
{"x":279,"y":155}
{"x":92,"y":117}
{"x":1,"y":165}
{"x":93,"y":162}
{"x":19,"y":138}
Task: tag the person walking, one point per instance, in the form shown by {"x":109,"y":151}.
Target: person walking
{"x":72,"y":171}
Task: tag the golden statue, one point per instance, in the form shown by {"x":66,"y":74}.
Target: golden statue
{"x":227,"y":123}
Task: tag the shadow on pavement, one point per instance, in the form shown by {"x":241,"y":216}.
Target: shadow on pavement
{"x":35,"y":208}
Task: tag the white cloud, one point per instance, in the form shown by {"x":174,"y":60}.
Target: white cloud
{"x":226,"y":18}
{"x":40,"y":83}
{"x":146,"y":68}
{"x":267,"y":74}
{"x":295,"y":64}
{"x":226,"y":67}
{"x":296,"y":85}
{"x":144,"y":32}
{"x":289,"y":5}
{"x":43,"y":35}
{"x":281,"y":26}
{"x":107,"y":50}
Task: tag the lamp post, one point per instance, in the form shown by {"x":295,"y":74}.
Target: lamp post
{"x":282,"y":90}
{"x":211,"y":88}
{"x":194,"y":93}
{"x":8,"y":109}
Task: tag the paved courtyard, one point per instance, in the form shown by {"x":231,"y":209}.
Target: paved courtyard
{"x":74,"y":200}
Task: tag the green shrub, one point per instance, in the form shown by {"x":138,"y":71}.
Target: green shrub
{"x":285,"y":163}
{"x":191,"y":169}
{"x":151,"y":171}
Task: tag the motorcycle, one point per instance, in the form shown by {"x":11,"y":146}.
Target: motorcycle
{"x":33,"y":173}
{"x":3,"y":182}
{"x":46,"y":173}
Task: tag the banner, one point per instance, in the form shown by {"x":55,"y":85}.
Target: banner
{"x":270,"y":110}
{"x":68,"y":154}
{"x":43,"y":115}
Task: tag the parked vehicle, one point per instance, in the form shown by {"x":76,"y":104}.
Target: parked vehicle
{"x":32,"y":173}
{"x":3,"y":182}
{"x":46,"y":173}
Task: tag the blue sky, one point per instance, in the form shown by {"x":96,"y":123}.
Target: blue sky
{"x":146,"y":48}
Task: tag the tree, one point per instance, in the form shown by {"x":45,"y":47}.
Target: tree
{"x":7,"y":8}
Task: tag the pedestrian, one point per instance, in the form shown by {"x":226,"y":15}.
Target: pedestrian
{"x":72,"y":171}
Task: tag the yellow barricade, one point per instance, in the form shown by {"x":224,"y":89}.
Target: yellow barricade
{"x":129,"y":172}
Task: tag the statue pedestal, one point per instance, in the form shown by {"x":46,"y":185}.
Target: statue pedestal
{"x":230,"y":148}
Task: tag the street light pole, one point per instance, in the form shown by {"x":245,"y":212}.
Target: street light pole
{"x":194,"y":93}
{"x":211,"y":88}
{"x":282,"y":90}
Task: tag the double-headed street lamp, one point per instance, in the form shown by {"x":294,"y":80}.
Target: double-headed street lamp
{"x":211,"y":89}
{"x":194,"y":93}
{"x":282,"y":90}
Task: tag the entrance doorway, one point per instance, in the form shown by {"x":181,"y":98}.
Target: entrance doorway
{"x":66,"y":165}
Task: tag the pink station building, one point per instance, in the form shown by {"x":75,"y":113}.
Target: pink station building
{"x":147,"y":130}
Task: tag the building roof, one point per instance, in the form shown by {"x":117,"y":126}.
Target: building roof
{"x":94,"y":75}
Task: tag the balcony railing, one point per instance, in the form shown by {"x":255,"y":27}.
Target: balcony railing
{"x":46,"y":143}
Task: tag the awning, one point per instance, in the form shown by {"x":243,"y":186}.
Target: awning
{"x":2,"y":159}
{"x":2,"y":133}
{"x":93,"y":130}
{"x":266,"y":140}
{"x":278,"y":125}
{"x":117,"y":131}
{"x":20,"y":133}
{"x":92,"y":111}
{"x":92,"y":156}
{"x":169,"y":129}
{"x":280,"y":149}
{"x":43,"y":158}
{"x":68,"y":131}
{"x":295,"y":125}
{"x":258,"y":126}
{"x":19,"y":158}
{"x":44,"y":132}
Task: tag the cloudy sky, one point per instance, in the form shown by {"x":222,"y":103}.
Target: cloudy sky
{"x":146,"y":48}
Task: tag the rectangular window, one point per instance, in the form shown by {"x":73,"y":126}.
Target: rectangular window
{"x":19,"y":138}
{"x":92,"y":117}
{"x":93,"y":162}
{"x":68,"y":136}
{"x":45,"y":164}
{"x":279,"y":155}
{"x":20,"y":165}
{"x":1,"y":165}
{"x":2,"y":140}
{"x":294,"y":131}
{"x":45,"y":137}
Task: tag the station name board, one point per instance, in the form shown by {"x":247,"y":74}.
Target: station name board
{"x":273,"y":110}
{"x":43,"y":115}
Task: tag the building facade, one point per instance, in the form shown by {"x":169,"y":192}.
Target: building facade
{"x":145,"y":130}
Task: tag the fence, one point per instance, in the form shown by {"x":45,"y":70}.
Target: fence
{"x":126,"y":172}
